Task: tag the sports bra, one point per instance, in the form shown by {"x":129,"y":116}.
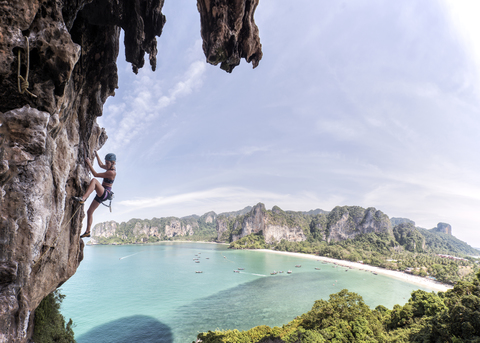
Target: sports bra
{"x":108,"y":180}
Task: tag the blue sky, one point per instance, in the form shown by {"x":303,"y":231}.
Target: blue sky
{"x":368,"y":103}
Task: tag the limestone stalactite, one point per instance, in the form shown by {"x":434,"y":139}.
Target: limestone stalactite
{"x":73,"y":48}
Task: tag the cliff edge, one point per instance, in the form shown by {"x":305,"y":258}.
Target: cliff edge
{"x":57,"y":68}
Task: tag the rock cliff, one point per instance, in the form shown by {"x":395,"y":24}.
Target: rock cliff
{"x":341,"y":223}
{"x":347,"y":222}
{"x":274,"y":225}
{"x":57,"y":68}
{"x":443,"y":228}
{"x":154,"y":230}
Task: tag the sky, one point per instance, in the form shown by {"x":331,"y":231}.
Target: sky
{"x":360,"y":103}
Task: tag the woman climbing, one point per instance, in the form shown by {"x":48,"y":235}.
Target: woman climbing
{"x":103,"y":190}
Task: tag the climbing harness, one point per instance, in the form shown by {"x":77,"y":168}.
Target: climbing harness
{"x":110,"y":198}
{"x":58,"y":235}
{"x":23,"y":85}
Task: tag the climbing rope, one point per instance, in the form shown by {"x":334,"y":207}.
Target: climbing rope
{"x":109,"y":205}
{"x":23,"y":85}
{"x":58,"y":235}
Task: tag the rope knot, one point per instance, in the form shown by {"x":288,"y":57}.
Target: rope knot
{"x":23,"y":85}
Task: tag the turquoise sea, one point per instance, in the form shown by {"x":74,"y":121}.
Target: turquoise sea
{"x":152,"y":293}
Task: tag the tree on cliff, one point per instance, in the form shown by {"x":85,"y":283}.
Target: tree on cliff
{"x":49,"y":322}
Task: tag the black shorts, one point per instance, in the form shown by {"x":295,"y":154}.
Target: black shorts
{"x":102,"y":198}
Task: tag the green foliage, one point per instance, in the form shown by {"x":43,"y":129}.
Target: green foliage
{"x":383,"y":250}
{"x":410,"y":238}
{"x":49,"y":322}
{"x":344,"y":318}
{"x":289,"y":219}
{"x":251,"y":241}
{"x":442,"y":243}
{"x":234,"y":336}
{"x":453,"y":316}
{"x":128,"y":232}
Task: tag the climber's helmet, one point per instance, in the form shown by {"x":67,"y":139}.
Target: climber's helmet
{"x":111,"y":157}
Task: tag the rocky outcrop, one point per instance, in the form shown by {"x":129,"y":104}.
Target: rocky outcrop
{"x":273,"y":225}
{"x":275,"y":233}
{"x":176,"y":228}
{"x":154,"y":230}
{"x":443,"y":228}
{"x":341,"y":223}
{"x":222,"y":230}
{"x":105,"y":230}
{"x":347,"y":222}
{"x":66,"y":51}
{"x":229,"y":32}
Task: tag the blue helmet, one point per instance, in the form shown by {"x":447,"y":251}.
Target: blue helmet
{"x":111,"y":157}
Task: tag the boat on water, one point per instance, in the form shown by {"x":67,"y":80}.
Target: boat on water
{"x":289,"y":272}
{"x":274,"y":273}
{"x":241,"y":268}
{"x":236,"y":271}
{"x":198,"y":271}
{"x":298,"y":266}
{"x":197,"y":261}
{"x":317,"y":268}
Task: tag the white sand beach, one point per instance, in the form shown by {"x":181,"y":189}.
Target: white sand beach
{"x":416,"y":280}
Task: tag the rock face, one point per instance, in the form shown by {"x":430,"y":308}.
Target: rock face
{"x":272,"y":225}
{"x":229,"y":32}
{"x":105,"y":230}
{"x":143,"y":231}
{"x":176,"y":228}
{"x":66,"y":51}
{"x":443,"y":228}
{"x":341,"y":223}
{"x":350,"y":221}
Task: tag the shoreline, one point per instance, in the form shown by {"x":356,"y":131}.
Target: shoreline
{"x":413,"y":279}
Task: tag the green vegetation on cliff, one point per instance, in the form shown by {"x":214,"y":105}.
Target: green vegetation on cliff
{"x":133,"y":231}
{"x":453,"y":316}
{"x":376,"y":249}
{"x":49,"y":322}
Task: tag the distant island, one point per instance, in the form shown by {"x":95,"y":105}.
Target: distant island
{"x":348,"y":233}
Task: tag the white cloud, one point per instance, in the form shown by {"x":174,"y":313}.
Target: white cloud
{"x":223,"y":199}
{"x":146,"y":101}
{"x":464,"y":16}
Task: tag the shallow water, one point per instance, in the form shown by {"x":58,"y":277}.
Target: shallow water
{"x":151,"y":293}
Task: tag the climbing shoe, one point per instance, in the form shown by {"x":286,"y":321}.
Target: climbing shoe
{"x":85,"y":235}
{"x":80,"y":200}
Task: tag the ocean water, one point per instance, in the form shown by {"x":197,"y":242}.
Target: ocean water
{"x":152,"y":293}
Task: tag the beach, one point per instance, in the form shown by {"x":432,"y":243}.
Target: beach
{"x":413,"y":279}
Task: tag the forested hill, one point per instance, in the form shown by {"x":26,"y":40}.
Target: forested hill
{"x":453,"y":316}
{"x":343,"y":223}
